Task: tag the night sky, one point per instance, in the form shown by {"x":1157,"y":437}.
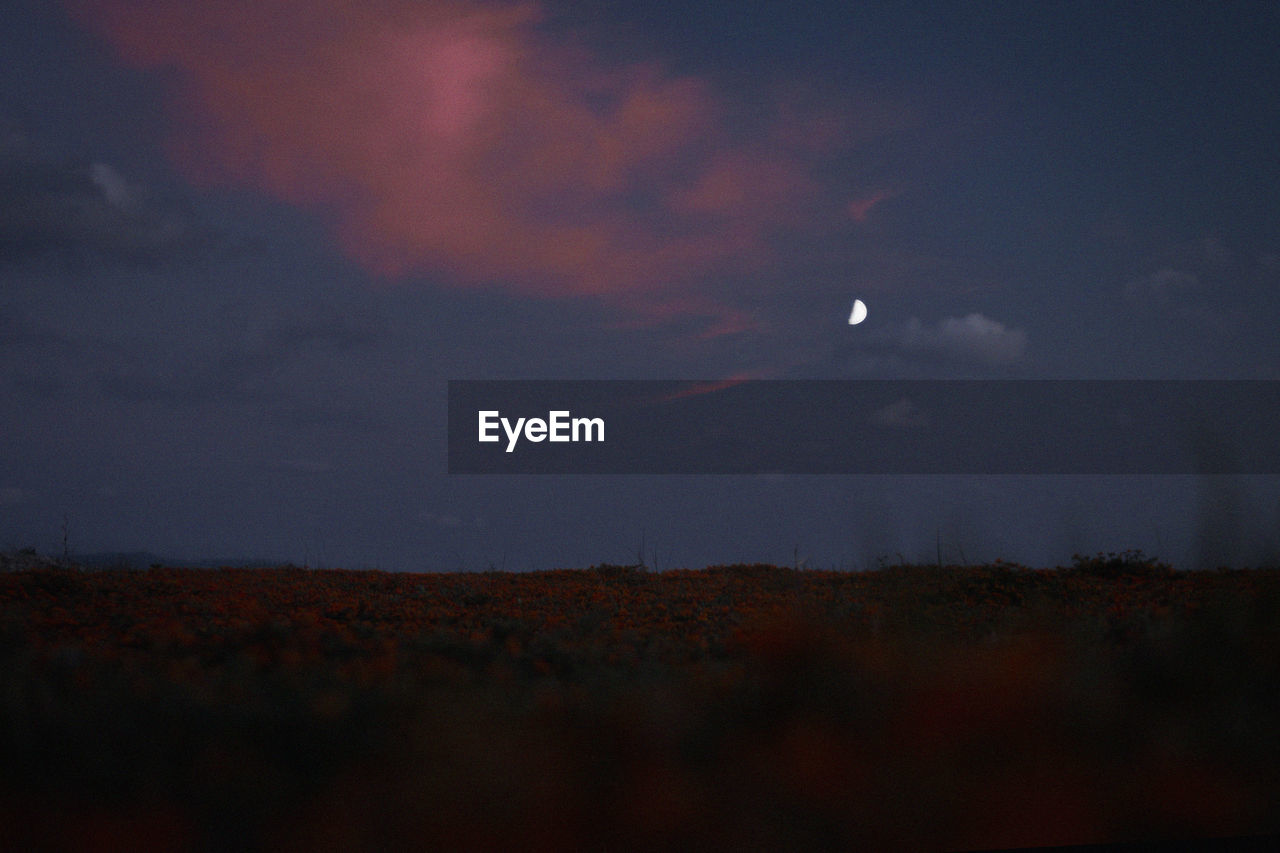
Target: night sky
{"x":244,"y":245}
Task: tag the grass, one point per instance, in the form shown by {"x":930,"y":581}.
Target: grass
{"x":915,"y":707}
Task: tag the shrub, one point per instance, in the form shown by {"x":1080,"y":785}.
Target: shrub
{"x":1114,"y":565}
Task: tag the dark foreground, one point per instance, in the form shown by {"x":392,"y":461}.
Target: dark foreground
{"x":744,"y":707}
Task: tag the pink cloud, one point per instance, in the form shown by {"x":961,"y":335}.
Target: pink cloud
{"x":694,"y":389}
{"x":861,"y":208}
{"x":453,"y":139}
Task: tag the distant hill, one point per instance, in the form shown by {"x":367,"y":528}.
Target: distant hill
{"x":147,"y":559}
{"x":28,"y":558}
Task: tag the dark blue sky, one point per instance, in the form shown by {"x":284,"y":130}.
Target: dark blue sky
{"x":244,"y":246}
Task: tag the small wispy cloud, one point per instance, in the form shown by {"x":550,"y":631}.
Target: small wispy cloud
{"x":302,"y":466}
{"x":451,"y":521}
{"x":118,"y":192}
{"x":68,"y":209}
{"x":860,"y":208}
{"x":1162,"y":286}
{"x":900,"y":413}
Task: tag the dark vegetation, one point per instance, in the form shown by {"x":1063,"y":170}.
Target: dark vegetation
{"x":739,"y":707}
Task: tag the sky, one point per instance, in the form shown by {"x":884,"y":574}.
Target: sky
{"x":244,"y":246}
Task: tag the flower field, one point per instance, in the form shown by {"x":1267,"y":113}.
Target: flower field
{"x":739,"y":707}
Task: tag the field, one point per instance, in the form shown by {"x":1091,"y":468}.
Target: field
{"x":740,"y":707}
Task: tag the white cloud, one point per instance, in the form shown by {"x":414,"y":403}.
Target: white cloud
{"x":975,"y":337}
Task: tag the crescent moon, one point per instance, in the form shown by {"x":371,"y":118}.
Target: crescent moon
{"x":859,"y":312}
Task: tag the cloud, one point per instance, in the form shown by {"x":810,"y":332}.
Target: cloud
{"x":697,"y":388}
{"x":262,"y":367}
{"x":1172,"y":294}
{"x":117,"y":191}
{"x":860,"y":209}
{"x":900,"y":413}
{"x":451,"y":521}
{"x":975,"y":338}
{"x":322,"y":327}
{"x":1162,"y":286}
{"x":235,"y":378}
{"x":457,"y":140}
{"x":954,"y":347}
{"x":69,"y":210}
{"x":302,"y":466}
